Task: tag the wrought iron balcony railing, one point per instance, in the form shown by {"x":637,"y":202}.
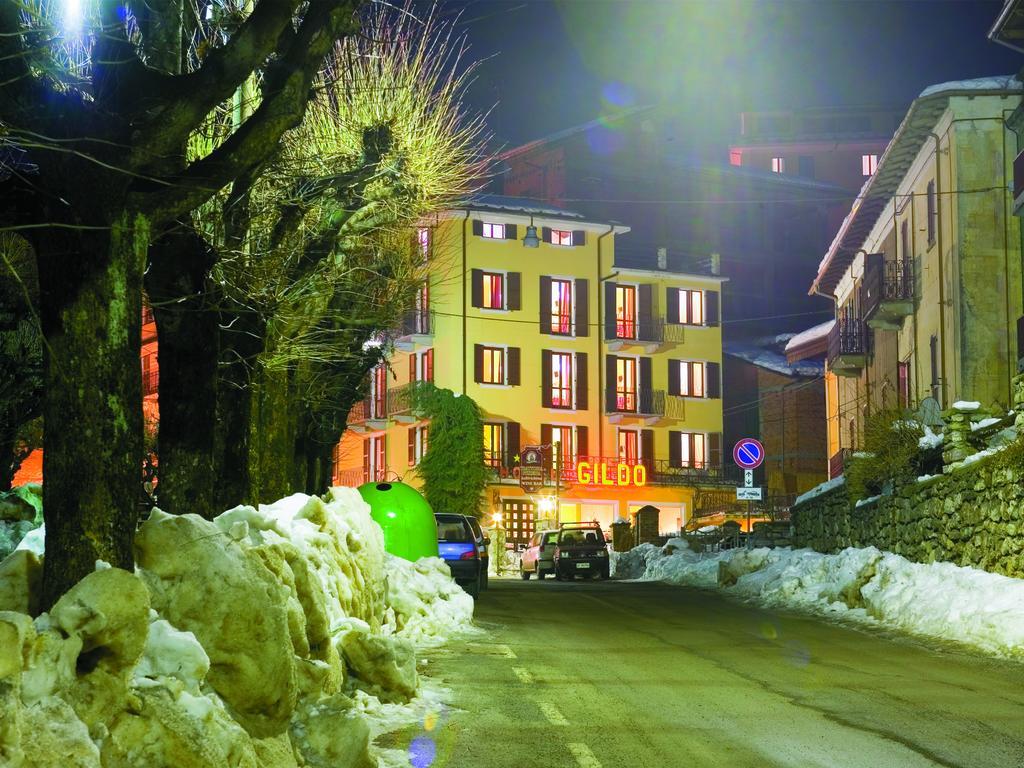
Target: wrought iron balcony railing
{"x":640,"y":402}
{"x":847,"y":344}
{"x":644,"y":330}
{"x":887,"y":292}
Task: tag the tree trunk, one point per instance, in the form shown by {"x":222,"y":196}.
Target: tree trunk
{"x":91,"y":292}
{"x":275,"y":434}
{"x":188,"y":335}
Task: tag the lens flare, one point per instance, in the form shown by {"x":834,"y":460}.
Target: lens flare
{"x":422,"y":751}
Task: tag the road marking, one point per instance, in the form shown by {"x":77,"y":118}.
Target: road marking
{"x":523,"y":674}
{"x":551,"y":713}
{"x":584,"y":757}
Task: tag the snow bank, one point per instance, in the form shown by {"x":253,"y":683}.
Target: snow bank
{"x":819,"y":489}
{"x":938,"y":600}
{"x":929,"y":439}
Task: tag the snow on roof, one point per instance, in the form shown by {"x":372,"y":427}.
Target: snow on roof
{"x":815,"y":333}
{"x":996,"y":83}
{"x":771,"y":360}
{"x":518,"y":204}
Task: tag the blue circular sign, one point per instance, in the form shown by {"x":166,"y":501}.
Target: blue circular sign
{"x":748,"y":453}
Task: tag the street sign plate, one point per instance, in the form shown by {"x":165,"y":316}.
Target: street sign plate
{"x":748,"y":453}
{"x":531,"y":468}
{"x":748,"y":494}
{"x":748,"y":478}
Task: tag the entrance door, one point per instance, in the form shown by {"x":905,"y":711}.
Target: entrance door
{"x":517,"y":518}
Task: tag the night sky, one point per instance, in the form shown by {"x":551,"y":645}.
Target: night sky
{"x":550,"y":65}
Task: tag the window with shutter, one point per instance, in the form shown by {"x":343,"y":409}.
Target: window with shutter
{"x":494,"y":444}
{"x":493,"y":293}
{"x":560,"y":302}
{"x":493,"y":231}
{"x":629,"y":446}
{"x":492,"y":369}
{"x":561,"y":380}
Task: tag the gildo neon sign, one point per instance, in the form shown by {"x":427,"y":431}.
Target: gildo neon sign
{"x":603,"y":473}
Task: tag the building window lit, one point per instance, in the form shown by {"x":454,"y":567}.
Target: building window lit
{"x":691,"y":379}
{"x":494,"y":231}
{"x":561,"y":237}
{"x":735,"y":157}
{"x":691,"y":307}
{"x":565,"y":437}
{"x":421,"y":365}
{"x":868,"y":164}
{"x":625,"y":312}
{"x":493,"y":365}
{"x":561,"y":380}
{"x":494,"y":444}
{"x":629,"y":446}
{"x":423,"y":242}
{"x":778,"y":165}
{"x":417,"y":444}
{"x":693,"y":449}
{"x":561,"y":307}
{"x":374,"y":459}
{"x":625,"y":384}
{"x":494,"y":290}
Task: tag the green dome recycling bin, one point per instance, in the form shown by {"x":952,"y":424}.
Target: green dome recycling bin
{"x":405,"y":517}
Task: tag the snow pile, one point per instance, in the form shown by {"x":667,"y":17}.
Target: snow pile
{"x":282,"y":635}
{"x":929,"y":439}
{"x":938,"y":600}
{"x":819,"y":489}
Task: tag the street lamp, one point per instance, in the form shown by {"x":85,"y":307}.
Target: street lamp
{"x":530,"y":239}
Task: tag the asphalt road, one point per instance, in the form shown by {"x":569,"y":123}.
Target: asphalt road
{"x":636,"y":674}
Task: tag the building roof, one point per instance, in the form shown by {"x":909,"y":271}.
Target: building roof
{"x":1008,"y":28}
{"x":893,"y":166}
{"x":809,"y":343}
{"x":764,"y":354}
{"x":509,"y":204}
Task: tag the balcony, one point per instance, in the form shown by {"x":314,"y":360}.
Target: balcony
{"x":847,"y":347}
{"x":417,"y":327}
{"x":646,"y":405}
{"x":400,"y":404}
{"x":887,"y":294}
{"x":648,"y":333}
{"x":368,"y":415}
{"x":350,"y":478}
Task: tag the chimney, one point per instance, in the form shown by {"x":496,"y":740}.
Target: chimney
{"x":716,"y":263}
{"x":663,"y":258}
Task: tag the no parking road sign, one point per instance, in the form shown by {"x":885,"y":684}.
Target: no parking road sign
{"x":748,"y":453}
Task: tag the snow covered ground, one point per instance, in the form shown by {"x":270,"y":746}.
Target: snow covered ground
{"x":938,"y":600}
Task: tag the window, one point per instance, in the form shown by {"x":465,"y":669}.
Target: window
{"x":691,"y":379}
{"x":932,"y":211}
{"x":561,"y":307}
{"x":421,"y":365}
{"x":561,"y":237}
{"x":378,"y":392}
{"x":374,"y":459}
{"x":625,"y":312}
{"x":691,"y":307}
{"x":494,"y":444}
{"x":494,"y":290}
{"x":625,"y":384}
{"x":417,"y":444}
{"x":693,"y":449}
{"x":868,"y":164}
{"x":629,"y":446}
{"x":903,"y":383}
{"x":493,"y":366}
{"x":561,"y":380}
{"x":565,"y":437}
{"x":423,"y":242}
{"x":494,"y":231}
{"x":735,"y":157}
{"x":778,"y":165}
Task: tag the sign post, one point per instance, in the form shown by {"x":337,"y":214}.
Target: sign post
{"x":748,"y":454}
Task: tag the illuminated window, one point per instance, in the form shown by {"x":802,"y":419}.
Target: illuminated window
{"x":561,"y":237}
{"x":735,"y":157}
{"x":494,"y":231}
{"x":494,"y":444}
{"x":374,"y":459}
{"x":691,"y":307}
{"x":561,"y":380}
{"x":494,"y":290}
{"x":565,"y":437}
{"x":691,"y":379}
{"x":423,"y":242}
{"x":493,"y":365}
{"x":625,"y":384}
{"x":625,"y":312}
{"x":421,"y":365}
{"x":629,"y":446}
{"x":417,"y":444}
{"x":561,"y":307}
{"x":778,"y":165}
{"x":868,"y":164}
{"x":693,"y":449}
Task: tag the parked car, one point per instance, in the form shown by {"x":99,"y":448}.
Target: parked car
{"x":538,"y":557}
{"x":482,"y":542}
{"x":457,"y":545}
{"x":581,"y":551}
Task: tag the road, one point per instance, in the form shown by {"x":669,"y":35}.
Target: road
{"x":614,"y":674}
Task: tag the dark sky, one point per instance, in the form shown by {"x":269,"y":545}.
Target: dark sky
{"x":550,"y":64}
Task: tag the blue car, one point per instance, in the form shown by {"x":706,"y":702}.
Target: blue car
{"x":458,"y":547}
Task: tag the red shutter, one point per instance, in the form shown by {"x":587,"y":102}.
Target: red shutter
{"x":366,"y":460}
{"x":545,"y":378}
{"x":477,"y":288}
{"x":514,"y":366}
{"x":582,"y":308}
{"x":478,"y":363}
{"x":412,"y":367}
{"x":582,"y":389}
{"x":428,"y":364}
{"x":412,"y":446}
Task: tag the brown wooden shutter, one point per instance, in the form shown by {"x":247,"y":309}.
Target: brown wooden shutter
{"x":511,"y":443}
{"x":646,"y":374}
{"x":545,"y":304}
{"x":714,"y":388}
{"x":579,"y":237}
{"x":545,"y":234}
{"x":715,"y":450}
{"x":711,"y":308}
{"x":672,"y":304}
{"x":582,"y":308}
{"x":366,"y":459}
{"x":582,"y":389}
{"x":515,"y":290}
{"x":674,"y":383}
{"x":647,"y":450}
{"x":478,"y":363}
{"x":511,"y":232}
{"x":428,"y":362}
{"x":582,"y":438}
{"x":477,"y":280}
{"x":609,"y":310}
{"x":412,"y":367}
{"x":412,"y":446}
{"x":514,"y":366}
{"x":478,"y":227}
{"x":545,"y":439}
{"x":645,"y":312}
{"x":609,"y":384}
{"x":545,"y":378}
{"x":675,"y":448}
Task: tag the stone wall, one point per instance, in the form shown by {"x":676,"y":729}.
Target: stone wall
{"x":972,"y":516}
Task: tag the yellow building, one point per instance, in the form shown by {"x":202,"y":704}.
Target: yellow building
{"x":526,"y":312}
{"x":926,"y":269}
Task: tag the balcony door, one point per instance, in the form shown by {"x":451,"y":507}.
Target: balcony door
{"x":625,"y":384}
{"x":625,"y":312}
{"x":629,"y":446}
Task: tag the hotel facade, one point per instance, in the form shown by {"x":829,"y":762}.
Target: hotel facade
{"x":615,"y":372}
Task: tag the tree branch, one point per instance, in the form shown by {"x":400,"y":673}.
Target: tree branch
{"x":22,"y":95}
